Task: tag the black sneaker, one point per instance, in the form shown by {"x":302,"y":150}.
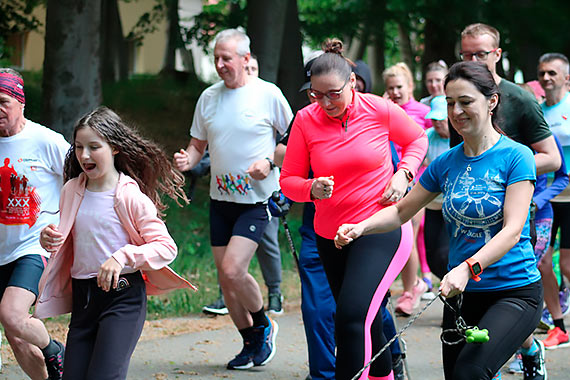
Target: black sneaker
{"x":275,"y":303}
{"x":54,"y":363}
{"x":264,"y":338}
{"x":244,"y":359}
{"x":533,"y":366}
{"x":218,"y":307}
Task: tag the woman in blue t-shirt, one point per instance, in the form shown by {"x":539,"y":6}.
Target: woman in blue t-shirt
{"x":487,"y":184}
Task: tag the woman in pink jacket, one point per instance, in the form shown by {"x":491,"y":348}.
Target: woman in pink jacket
{"x":344,"y":137}
{"x":111,"y":248}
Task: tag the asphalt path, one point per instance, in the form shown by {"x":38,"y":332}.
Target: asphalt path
{"x":203,"y":354}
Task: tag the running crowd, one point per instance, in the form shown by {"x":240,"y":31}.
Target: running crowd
{"x":389,"y":189}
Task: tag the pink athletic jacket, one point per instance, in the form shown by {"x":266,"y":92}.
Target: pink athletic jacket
{"x":151,"y":248}
{"x":356,"y":151}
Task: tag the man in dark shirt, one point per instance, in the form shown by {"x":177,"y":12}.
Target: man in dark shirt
{"x":521,"y":116}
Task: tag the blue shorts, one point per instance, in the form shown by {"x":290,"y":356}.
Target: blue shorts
{"x":24,"y":273}
{"x":228,"y":219}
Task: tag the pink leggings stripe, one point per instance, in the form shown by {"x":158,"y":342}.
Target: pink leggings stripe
{"x":396,"y":265}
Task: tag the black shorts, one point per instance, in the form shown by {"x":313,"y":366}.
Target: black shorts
{"x":24,"y":273}
{"x":228,"y":219}
{"x":561,"y":220}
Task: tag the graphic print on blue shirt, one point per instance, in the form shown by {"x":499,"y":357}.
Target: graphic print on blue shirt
{"x":473,"y":206}
{"x":474,"y":194}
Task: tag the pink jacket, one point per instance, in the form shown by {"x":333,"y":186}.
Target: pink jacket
{"x":151,"y":248}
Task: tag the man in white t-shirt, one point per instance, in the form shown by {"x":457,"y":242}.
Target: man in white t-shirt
{"x":31,"y":177}
{"x":553,"y":74}
{"x":238,"y":119}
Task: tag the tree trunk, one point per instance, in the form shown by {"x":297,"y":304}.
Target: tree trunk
{"x":440,"y":43}
{"x":291,"y":76}
{"x":114,"y":60}
{"x":406,"y":46}
{"x":72,"y":76}
{"x":265,"y":27}
{"x":176,"y":44}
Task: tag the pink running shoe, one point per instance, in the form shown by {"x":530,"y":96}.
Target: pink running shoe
{"x":405,"y":304}
{"x":418,"y":290}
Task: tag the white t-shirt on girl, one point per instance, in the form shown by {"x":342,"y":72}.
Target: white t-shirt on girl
{"x":97,"y":234}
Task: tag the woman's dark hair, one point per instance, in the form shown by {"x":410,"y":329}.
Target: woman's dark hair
{"x":140,"y":159}
{"x":332,"y":61}
{"x":479,"y":76}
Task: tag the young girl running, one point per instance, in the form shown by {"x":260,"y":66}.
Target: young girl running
{"x":111,"y":248}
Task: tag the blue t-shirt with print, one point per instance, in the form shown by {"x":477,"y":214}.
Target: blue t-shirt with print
{"x":474,"y":194}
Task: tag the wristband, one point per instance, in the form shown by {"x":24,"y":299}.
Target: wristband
{"x":409,"y":175}
{"x":271,"y":163}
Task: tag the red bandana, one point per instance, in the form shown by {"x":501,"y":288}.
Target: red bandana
{"x":12,"y":85}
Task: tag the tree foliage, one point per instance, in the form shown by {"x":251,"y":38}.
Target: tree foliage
{"x":215,"y":18}
{"x":15,"y":17}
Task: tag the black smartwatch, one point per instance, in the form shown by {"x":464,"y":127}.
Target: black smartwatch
{"x":271,"y":163}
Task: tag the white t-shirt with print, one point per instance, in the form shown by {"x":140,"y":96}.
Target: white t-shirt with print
{"x":240,"y":126}
{"x":31,"y":177}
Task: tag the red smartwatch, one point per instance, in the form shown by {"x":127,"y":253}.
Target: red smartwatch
{"x":475,"y":269}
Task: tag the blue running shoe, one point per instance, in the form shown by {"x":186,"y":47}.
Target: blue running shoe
{"x":546,"y":322}
{"x":244,"y":359}
{"x":266,"y":348}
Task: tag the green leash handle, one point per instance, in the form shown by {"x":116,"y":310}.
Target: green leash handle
{"x":475,"y":335}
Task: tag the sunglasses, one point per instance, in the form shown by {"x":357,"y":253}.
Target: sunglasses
{"x":332,"y":95}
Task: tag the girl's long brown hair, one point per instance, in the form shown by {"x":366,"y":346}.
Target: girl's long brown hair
{"x":137,"y":157}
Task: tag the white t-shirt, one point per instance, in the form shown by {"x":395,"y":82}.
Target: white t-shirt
{"x":240,"y":126}
{"x":31,"y":177}
{"x":558,"y":119}
{"x":97,"y":234}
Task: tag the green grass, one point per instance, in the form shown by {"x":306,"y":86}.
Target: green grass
{"x":161,"y":109}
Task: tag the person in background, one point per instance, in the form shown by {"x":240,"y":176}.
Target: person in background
{"x":487,"y":185}
{"x":34,"y":155}
{"x":435,"y":75}
{"x":399,"y":84}
{"x":361,"y":276}
{"x":436,"y":237}
{"x":523,"y":120}
{"x":553,"y":74}
{"x":268,"y":252}
{"x":238,"y":119}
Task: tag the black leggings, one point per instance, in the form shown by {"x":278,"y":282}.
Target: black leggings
{"x":561,"y":220}
{"x":509,"y":315}
{"x":359,"y":276}
{"x":104,"y":328}
{"x":437,"y":242}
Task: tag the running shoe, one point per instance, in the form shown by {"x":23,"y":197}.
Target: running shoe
{"x":516,"y":366}
{"x":54,"y":363}
{"x":405,"y":304}
{"x":265,"y":343}
{"x":564,"y":296}
{"x":275,"y":303}
{"x":244,"y":359}
{"x":497,"y":376}
{"x":556,"y":339}
{"x":545,"y":322}
{"x":218,"y":307}
{"x":533,"y":365}
{"x":420,"y":288}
